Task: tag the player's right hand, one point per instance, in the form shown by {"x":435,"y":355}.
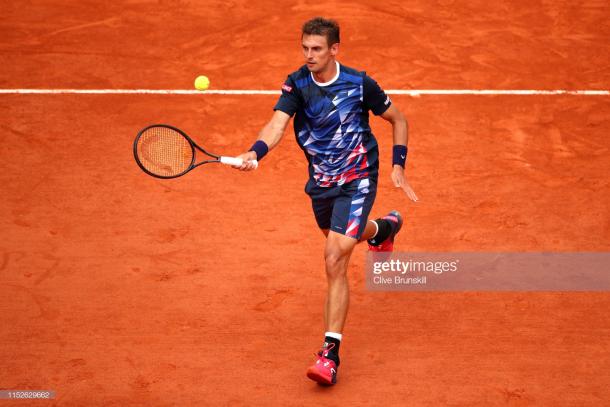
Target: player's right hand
{"x":247,"y":164}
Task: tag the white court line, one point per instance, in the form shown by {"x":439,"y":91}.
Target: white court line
{"x":412,"y":92}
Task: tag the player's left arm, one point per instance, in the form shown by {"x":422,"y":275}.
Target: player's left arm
{"x":400,"y":129}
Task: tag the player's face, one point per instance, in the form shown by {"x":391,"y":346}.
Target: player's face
{"x":318,"y":55}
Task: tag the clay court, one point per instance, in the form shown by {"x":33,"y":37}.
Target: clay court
{"x":119,"y":289}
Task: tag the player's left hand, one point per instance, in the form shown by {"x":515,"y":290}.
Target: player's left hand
{"x":399,"y":180}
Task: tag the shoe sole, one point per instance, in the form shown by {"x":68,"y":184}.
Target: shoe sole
{"x":314,"y":374}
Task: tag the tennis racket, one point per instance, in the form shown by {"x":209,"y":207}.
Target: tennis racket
{"x":165,"y":151}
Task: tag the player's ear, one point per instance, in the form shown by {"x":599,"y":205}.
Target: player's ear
{"x":334,"y":49}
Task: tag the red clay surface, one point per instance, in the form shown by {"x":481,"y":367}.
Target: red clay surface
{"x":120,"y":289}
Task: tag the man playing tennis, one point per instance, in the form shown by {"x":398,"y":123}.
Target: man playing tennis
{"x":331,"y":103}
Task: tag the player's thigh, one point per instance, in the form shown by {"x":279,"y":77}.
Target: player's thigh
{"x":323,"y":211}
{"x":351,"y":210}
{"x":322,"y":203}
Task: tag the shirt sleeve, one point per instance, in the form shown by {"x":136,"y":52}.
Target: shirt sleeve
{"x":289,"y":102}
{"x":374,"y":97}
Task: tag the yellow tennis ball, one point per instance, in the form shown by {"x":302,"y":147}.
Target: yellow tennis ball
{"x":202,"y":82}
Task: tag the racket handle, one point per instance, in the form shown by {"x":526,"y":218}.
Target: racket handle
{"x":236,"y":161}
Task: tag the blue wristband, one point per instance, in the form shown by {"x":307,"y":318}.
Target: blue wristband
{"x":399,"y":155}
{"x":260,"y":148}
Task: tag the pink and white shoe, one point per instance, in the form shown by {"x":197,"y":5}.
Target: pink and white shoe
{"x":324,"y":371}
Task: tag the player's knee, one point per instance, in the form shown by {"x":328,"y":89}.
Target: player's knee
{"x":335,"y":264}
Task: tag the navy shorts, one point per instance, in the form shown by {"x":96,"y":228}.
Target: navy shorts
{"x":343,"y":208}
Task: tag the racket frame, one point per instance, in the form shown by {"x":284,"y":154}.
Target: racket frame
{"x":190,"y":141}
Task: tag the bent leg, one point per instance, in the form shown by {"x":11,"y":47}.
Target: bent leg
{"x":369,"y":231}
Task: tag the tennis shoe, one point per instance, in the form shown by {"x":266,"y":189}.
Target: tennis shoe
{"x":324,"y":371}
{"x":388,"y":244}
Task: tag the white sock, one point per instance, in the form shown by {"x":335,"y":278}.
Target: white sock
{"x":335,"y":335}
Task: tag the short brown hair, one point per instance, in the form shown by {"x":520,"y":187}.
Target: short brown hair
{"x":322,"y":26}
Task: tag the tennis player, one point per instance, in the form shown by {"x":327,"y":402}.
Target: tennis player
{"x":331,"y":105}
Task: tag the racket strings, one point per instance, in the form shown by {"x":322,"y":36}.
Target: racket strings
{"x":165,"y":152}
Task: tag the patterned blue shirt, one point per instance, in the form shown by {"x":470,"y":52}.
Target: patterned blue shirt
{"x":332,"y":123}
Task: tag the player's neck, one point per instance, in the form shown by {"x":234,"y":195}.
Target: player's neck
{"x":327,"y":74}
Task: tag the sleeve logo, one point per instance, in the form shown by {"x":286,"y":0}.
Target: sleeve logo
{"x":287,"y":88}
{"x":387,"y":101}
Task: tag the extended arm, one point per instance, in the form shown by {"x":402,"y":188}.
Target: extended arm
{"x":270,"y":134}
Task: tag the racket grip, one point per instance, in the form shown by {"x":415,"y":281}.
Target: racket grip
{"x":236,"y":161}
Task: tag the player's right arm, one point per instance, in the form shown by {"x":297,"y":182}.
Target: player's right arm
{"x":270,"y":134}
{"x":273,"y":131}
